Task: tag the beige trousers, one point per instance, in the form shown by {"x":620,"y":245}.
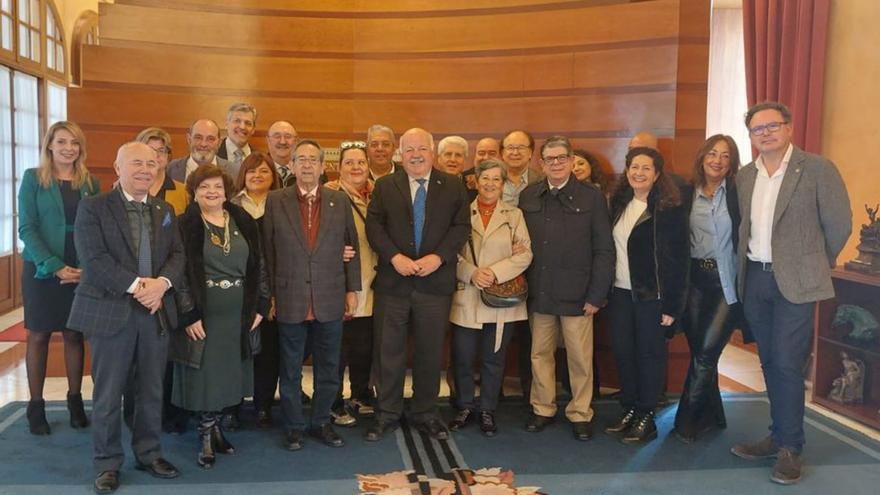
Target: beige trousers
{"x":577,"y":333}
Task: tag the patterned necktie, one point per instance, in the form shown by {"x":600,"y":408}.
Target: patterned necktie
{"x":239,"y":156}
{"x":310,"y":199}
{"x":145,"y":256}
{"x":283,"y":172}
{"x":419,"y":212}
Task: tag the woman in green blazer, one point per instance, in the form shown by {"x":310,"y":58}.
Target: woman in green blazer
{"x":47,"y":203}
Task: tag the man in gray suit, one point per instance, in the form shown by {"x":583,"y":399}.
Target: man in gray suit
{"x":203,"y":139}
{"x":306,"y":228}
{"x":131,"y":257}
{"x":796,"y":217}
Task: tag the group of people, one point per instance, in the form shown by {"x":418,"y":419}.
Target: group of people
{"x":211,"y":278}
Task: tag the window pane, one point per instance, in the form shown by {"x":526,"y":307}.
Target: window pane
{"x":7,"y":6}
{"x":35,"y":13}
{"x":24,"y":43}
{"x":59,"y":58}
{"x":27,"y":125}
{"x":7,"y":183}
{"x":23,"y":10}
{"x":50,"y":51}
{"x":56,"y":103}
{"x":35,"y":46}
{"x":50,"y":22}
{"x":6,"y":29}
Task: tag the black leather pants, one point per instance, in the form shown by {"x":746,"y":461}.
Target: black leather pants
{"x":709,"y":322}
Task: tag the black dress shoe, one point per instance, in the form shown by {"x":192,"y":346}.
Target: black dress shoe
{"x":583,"y":430}
{"x":107,"y":482}
{"x":159,"y":468}
{"x":537,"y":423}
{"x":487,"y":424}
{"x":642,"y":431}
{"x":293,"y":440}
{"x":327,"y":435}
{"x":230,"y":421}
{"x":264,"y":418}
{"x":378,"y":430}
{"x":433,"y":428}
{"x":624,"y":422}
{"x":462,"y":419}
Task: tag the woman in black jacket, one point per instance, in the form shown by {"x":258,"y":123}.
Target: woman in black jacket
{"x":650,"y":236}
{"x":713,"y":310}
{"x":225,"y":297}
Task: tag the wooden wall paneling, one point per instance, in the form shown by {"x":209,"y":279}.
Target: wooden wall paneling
{"x":7,"y":284}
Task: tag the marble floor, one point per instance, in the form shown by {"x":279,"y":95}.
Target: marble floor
{"x":739,"y":369}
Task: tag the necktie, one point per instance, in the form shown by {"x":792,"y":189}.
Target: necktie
{"x":145,"y":256}
{"x":282,"y":171}
{"x":239,"y":156}
{"x":311,"y":201}
{"x":419,"y":212}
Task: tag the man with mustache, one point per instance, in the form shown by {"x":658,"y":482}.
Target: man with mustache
{"x":241,"y":122}
{"x":281,"y":139}
{"x":417,"y":222}
{"x":380,"y":150}
{"x":203,"y":139}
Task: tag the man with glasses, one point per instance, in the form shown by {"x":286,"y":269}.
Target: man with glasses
{"x":796,"y":217}
{"x":241,"y":122}
{"x":516,"y":152}
{"x":569,"y":278}
{"x":281,"y":138}
{"x":314,"y":289}
{"x":380,"y":150}
{"x":203,"y":139}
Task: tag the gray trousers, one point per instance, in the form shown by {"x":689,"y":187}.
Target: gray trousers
{"x":137,"y":348}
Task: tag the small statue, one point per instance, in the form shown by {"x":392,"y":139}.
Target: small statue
{"x":865,"y":327}
{"x":868,"y":260}
{"x":849,"y":388}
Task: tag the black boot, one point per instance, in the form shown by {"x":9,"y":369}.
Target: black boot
{"x":219,"y":442}
{"x":36,"y":416}
{"x":206,"y":454}
{"x":78,"y":417}
{"x":643,"y":430}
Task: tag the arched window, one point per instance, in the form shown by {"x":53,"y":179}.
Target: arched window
{"x":54,"y":40}
{"x":29,"y":29}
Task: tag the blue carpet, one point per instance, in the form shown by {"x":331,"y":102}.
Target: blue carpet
{"x":839,"y":460}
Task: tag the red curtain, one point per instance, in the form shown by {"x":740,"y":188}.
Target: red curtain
{"x":785,"y":60}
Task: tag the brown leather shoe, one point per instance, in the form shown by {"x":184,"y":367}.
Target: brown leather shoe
{"x":107,"y":482}
{"x":787,"y":470}
{"x":765,"y":449}
{"x":159,"y":468}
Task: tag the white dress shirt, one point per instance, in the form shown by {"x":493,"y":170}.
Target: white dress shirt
{"x":414,"y":185}
{"x":764,"y":197}
{"x":231,"y":148}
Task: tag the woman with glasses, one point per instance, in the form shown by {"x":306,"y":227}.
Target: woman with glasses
{"x":650,"y":236}
{"x":47,"y":204}
{"x":164,"y":187}
{"x":499,"y":250}
{"x":713,"y":310}
{"x":357,"y":332}
{"x":224,"y":299}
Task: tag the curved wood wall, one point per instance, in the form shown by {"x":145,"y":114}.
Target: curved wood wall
{"x":596,"y":71}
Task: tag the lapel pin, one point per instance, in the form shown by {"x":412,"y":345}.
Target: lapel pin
{"x":331,"y":203}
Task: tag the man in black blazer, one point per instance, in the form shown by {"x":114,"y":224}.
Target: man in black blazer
{"x":241,"y":122}
{"x":417,"y":222}
{"x":306,"y":228}
{"x":131,"y":256}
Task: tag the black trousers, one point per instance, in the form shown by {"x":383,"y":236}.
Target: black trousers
{"x":266,"y":366}
{"x":467,"y":345}
{"x":708,"y":323}
{"x":357,"y":355}
{"x":393,"y":316}
{"x":639,"y":345}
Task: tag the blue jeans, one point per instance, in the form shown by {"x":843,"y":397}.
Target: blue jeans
{"x":467,"y":344}
{"x":784,"y":333}
{"x":326,"y":341}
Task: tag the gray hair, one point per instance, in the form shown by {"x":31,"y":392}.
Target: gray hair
{"x":456,"y":140}
{"x":556,"y":141}
{"x":241,"y":107}
{"x":306,"y":142}
{"x":376,"y":128}
{"x":489,"y":165}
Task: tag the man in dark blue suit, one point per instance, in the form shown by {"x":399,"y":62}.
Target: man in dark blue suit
{"x":417,"y":222}
{"x":131,"y":256}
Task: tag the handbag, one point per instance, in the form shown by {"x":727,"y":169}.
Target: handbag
{"x":255,"y":338}
{"x":506,"y":294}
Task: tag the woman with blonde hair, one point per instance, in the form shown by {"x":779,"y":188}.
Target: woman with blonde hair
{"x":47,"y":204}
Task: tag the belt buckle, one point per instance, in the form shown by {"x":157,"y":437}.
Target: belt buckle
{"x":767,"y":267}
{"x":225,"y":284}
{"x":707,"y":264}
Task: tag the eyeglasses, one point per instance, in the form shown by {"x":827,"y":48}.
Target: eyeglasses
{"x":516,"y":147}
{"x":313,"y":160}
{"x":345,"y":145}
{"x":163,"y":150}
{"x":549,"y":160}
{"x":772,"y":127}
